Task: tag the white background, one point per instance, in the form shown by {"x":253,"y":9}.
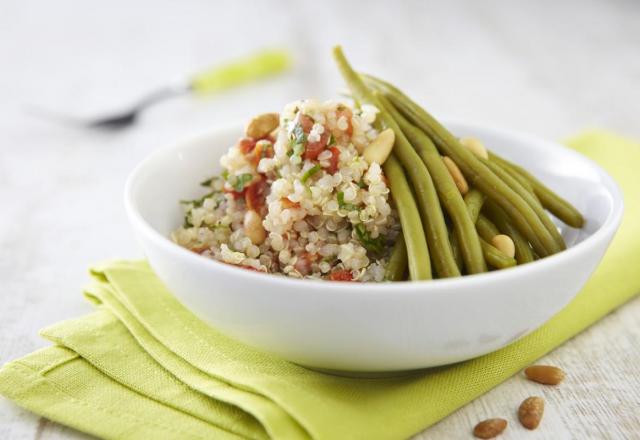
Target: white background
{"x":549,"y":68}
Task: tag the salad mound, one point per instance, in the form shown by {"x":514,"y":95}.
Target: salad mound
{"x":302,"y":194}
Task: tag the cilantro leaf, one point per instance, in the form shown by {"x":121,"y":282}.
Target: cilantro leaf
{"x":217,"y":226}
{"x":241,"y":181}
{"x":297,"y":140}
{"x":310,"y":172}
{"x":197,"y":203}
{"x":298,"y":136}
{"x":343,"y":205}
{"x":375,"y":245}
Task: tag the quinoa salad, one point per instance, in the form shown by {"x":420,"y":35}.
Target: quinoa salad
{"x":302,"y":194}
{"x":315,"y":192}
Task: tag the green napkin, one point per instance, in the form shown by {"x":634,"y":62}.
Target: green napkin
{"x":142,"y":366}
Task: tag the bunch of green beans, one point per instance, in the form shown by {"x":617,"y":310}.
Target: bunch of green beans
{"x":462,"y":211}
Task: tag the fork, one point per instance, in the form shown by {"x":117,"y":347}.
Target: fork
{"x":260,"y":65}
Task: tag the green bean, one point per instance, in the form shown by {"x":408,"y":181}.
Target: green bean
{"x":426,"y":196}
{"x":476,"y":172}
{"x":500,"y":219}
{"x":474,"y":200}
{"x":519,"y":177}
{"x":558,"y":206}
{"x":528,"y":197}
{"x":464,"y":228}
{"x":416,"y":244}
{"x":433,"y":219}
{"x":397,"y":265}
{"x":486,"y":229}
{"x":455,"y":249}
{"x":481,"y":176}
{"x":496,"y":258}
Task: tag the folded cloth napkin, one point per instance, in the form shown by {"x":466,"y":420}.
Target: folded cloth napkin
{"x":142,"y":366}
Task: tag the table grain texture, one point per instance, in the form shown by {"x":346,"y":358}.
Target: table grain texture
{"x":549,"y":68}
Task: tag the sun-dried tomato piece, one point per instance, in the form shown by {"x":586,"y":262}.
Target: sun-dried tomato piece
{"x":341,"y":275}
{"x":313,"y":149}
{"x":254,"y":195}
{"x":346,"y":112}
{"x":333,"y":160}
{"x":306,"y":122}
{"x":246,"y":145}
{"x":261,"y":150}
{"x":288,"y":204}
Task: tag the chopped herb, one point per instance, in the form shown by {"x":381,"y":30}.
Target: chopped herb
{"x":225,"y":174}
{"x":329,"y":260}
{"x":310,"y":172}
{"x":298,"y":137}
{"x":298,"y":149}
{"x":297,"y":140}
{"x":217,"y":226}
{"x":343,"y":205}
{"x":241,"y":180}
{"x":361,"y":184}
{"x":375,"y":245}
{"x":266,"y":149}
{"x":209,"y":183}
{"x":220,"y":197}
{"x":332,"y":140}
{"x":197,"y":203}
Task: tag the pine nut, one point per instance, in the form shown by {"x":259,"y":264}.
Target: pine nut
{"x":261,"y":125}
{"x":253,"y":227}
{"x":380,"y":148}
{"x":475,"y":146}
{"x":456,"y":174}
{"x":504,"y":244}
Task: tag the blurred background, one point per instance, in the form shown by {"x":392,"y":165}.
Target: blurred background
{"x":546,"y":67}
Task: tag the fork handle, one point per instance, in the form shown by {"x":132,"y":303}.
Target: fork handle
{"x":255,"y":67}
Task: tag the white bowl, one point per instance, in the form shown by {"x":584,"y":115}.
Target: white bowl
{"x":380,"y":327}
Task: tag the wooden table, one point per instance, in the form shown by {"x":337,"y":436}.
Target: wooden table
{"x":549,"y":69}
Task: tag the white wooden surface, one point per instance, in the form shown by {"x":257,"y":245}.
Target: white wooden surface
{"x":551,"y":68}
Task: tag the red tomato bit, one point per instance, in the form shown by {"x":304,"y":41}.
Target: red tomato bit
{"x":261,"y":150}
{"x":333,"y":161}
{"x":254,"y":194}
{"x":341,"y":275}
{"x":313,"y":149}
{"x":346,"y":112}
{"x":246,"y":145}
{"x":287,"y":204}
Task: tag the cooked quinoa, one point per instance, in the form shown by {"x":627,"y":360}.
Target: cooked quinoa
{"x":299,"y":201}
